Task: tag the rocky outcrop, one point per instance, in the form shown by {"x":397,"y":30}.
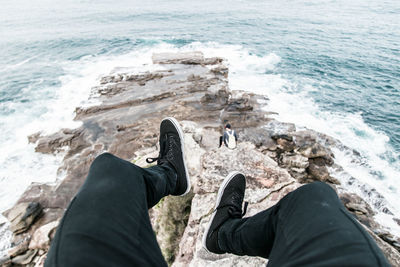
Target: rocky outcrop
{"x":276,"y":158}
{"x":23,"y":215}
{"x":185,"y":58}
{"x":41,"y":237}
{"x":25,"y":258}
{"x":60,"y":141}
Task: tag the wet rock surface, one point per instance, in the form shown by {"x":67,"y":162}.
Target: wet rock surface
{"x":276,"y":158}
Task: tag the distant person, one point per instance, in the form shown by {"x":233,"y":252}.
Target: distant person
{"x":229,"y":138}
{"x":107,"y":223}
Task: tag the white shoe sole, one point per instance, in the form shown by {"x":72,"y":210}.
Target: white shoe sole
{"x":180,"y":132}
{"x":221,"y":190}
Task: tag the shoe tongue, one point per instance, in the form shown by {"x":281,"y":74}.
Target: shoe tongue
{"x":172,"y":136}
{"x":236,"y":198}
{"x":164,"y":145}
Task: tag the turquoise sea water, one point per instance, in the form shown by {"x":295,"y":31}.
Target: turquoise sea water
{"x":333,"y":66}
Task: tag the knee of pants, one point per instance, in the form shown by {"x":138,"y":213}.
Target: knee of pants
{"x":111,"y":172}
{"x":107,"y":166}
{"x":105,"y":158}
{"x":316,"y":191}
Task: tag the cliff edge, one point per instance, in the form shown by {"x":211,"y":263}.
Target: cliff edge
{"x":275,"y":156}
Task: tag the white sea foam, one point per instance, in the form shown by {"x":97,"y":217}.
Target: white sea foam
{"x":5,"y":239}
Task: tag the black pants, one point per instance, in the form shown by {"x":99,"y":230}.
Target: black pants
{"x":308,"y":227}
{"x":107,"y":224}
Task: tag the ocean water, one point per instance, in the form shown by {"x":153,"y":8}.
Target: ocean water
{"x":329,"y":65}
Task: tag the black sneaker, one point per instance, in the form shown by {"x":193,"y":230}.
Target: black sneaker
{"x":229,"y":205}
{"x":172,"y":152}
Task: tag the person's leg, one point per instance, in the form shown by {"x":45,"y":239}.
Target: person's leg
{"x":309,"y":226}
{"x":107,"y":223}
